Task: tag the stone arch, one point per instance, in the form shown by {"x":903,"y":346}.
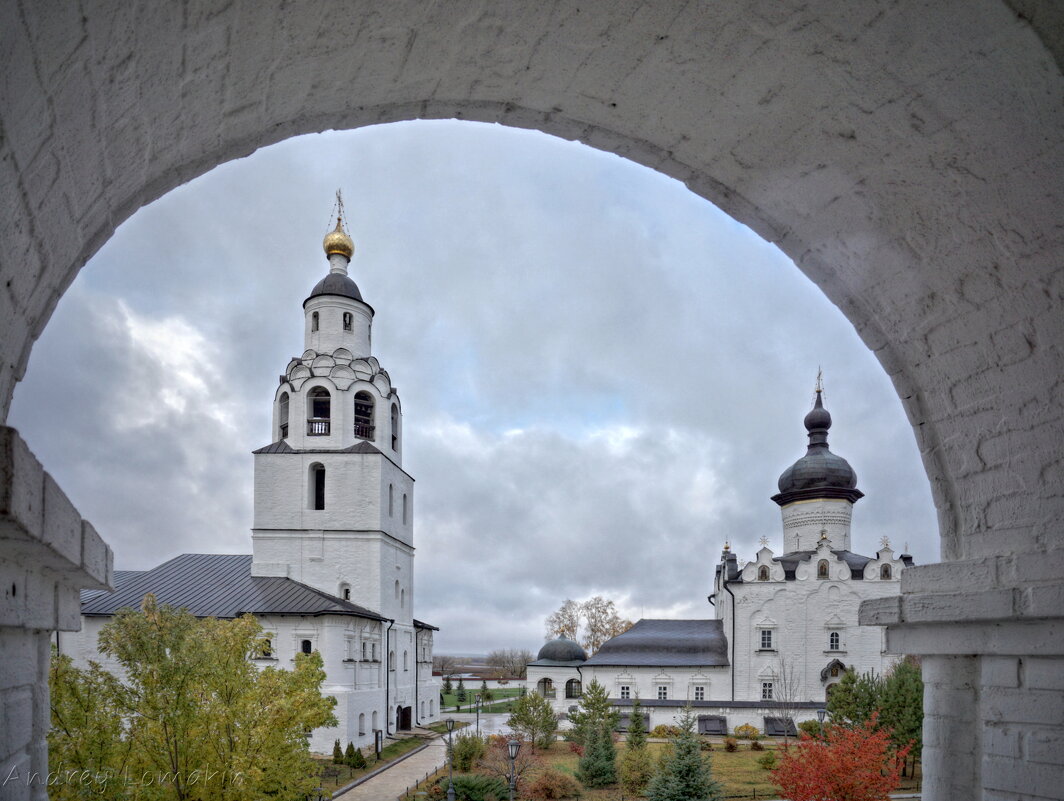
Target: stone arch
{"x":819,"y":191}
{"x":915,"y":175}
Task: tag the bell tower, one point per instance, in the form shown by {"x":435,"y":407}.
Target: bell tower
{"x":333,"y":506}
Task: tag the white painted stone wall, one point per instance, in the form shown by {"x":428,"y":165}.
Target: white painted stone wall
{"x":913,"y":168}
{"x":803,"y":522}
{"x":47,"y":554}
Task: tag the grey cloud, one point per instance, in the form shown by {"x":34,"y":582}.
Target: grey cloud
{"x":520,"y":282}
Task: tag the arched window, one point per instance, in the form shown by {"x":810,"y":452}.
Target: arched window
{"x":364,"y":649}
{"x":361,"y":722}
{"x":397,"y":589}
{"x":347,"y":321}
{"x":406,"y":660}
{"x":395,"y":427}
{"x":432,"y":707}
{"x":762,"y":573}
{"x":391,"y":500}
{"x":391,"y":660}
{"x":345,"y":592}
{"x":314,"y":321}
{"x":319,"y":412}
{"x":373,"y":651}
{"x":422,"y":709}
{"x":834,"y":641}
{"x":317,"y":486}
{"x":375,"y":724}
{"x":402,"y":599}
{"x":267,"y":649}
{"x":545,"y":687}
{"x":306,"y":646}
{"x":282,"y":415}
{"x":573,"y":689}
{"x":884,"y":572}
{"x":822,"y":569}
{"x":363,"y":415}
{"x":404,"y":508}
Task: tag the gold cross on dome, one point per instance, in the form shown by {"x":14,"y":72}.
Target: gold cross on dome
{"x":764,"y":542}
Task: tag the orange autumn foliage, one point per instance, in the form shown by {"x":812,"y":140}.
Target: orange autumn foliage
{"x":848,"y":764}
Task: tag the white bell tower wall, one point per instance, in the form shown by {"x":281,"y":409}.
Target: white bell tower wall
{"x":804,"y":521}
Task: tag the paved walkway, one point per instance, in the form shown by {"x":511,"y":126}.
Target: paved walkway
{"x":387,"y":786}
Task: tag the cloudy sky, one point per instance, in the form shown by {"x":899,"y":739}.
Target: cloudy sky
{"x":602,"y":374}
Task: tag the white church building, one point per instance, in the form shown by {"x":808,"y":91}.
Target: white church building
{"x":785,"y":628}
{"x":333,"y":533}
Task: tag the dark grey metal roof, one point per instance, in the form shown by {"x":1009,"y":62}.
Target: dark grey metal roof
{"x":820,"y":473}
{"x":335,"y":284}
{"x":120,"y":577}
{"x":218,"y":585}
{"x":282,"y":446}
{"x":682,"y":702}
{"x":560,"y":652}
{"x":666,"y":643}
{"x":855,"y":561}
{"x":419,"y":625}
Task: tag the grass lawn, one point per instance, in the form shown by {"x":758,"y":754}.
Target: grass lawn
{"x":441,"y":727}
{"x":333,"y":777}
{"x":737,"y":771}
{"x":501,"y":699}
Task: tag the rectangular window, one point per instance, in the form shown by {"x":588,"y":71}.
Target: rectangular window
{"x":766,"y":639}
{"x":766,"y":691}
{"x":663,"y":692}
{"x":700,"y":693}
{"x":626,"y":691}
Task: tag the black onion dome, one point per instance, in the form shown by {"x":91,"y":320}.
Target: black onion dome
{"x":562,"y":650}
{"x":335,"y":284}
{"x":820,"y":473}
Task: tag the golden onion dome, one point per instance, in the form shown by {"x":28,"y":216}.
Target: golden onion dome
{"x":337,"y":241}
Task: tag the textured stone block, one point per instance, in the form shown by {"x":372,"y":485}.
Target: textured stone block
{"x":1000,"y":671}
{"x":21,"y":488}
{"x":62,"y":523}
{"x":1044,"y":673}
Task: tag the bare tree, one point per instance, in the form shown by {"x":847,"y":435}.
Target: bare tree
{"x":602,"y":621}
{"x":566,"y":621}
{"x":444,"y":665}
{"x":509,"y":662}
{"x":787,"y":688}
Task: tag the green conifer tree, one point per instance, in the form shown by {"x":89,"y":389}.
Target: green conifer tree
{"x":594,"y":711}
{"x":338,"y":753}
{"x":598,"y":765}
{"x":448,"y":688}
{"x":349,"y":755}
{"x":461,"y":694}
{"x":685,"y":774}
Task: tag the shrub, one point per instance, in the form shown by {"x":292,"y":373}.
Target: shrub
{"x":756,"y":746}
{"x":475,"y":787}
{"x":552,"y":784}
{"x":636,"y":767}
{"x":705,"y":745}
{"x":747,"y":732}
{"x":810,"y":727}
{"x":767,"y":760}
{"x":730,"y":744}
{"x":468,"y":748}
{"x":663,"y":731}
{"x":850,"y":763}
{"x":576,"y":748}
{"x":353,"y":757}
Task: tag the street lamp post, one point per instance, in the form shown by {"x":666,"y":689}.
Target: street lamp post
{"x":478,"y":715}
{"x":450,"y":760}
{"x":820,"y":715}
{"x":513,"y":747}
